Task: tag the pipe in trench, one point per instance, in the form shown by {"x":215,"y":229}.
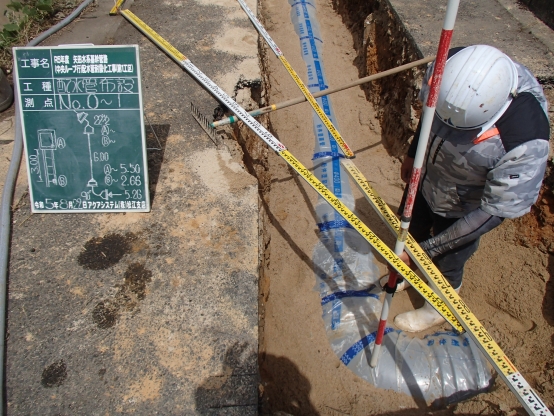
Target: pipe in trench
{"x":441,"y":368}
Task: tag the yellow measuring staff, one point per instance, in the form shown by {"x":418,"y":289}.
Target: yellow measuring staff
{"x":508,"y":372}
{"x":281,"y":150}
{"x":309,"y":97}
{"x":460,"y":317}
{"x":425,"y":264}
{"x":116,"y":7}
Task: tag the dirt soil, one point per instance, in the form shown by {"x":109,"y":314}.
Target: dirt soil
{"x":508,"y":284}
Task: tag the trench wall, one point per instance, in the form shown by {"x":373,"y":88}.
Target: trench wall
{"x":543,"y":9}
{"x":255,"y":154}
{"x":256,"y":161}
{"x":382,"y":42}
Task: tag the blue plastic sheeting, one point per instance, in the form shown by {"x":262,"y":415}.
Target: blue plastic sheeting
{"x":441,"y":368}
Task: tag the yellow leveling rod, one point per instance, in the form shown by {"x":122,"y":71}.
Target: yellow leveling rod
{"x":305,"y":173}
{"x":116,"y":7}
{"x":462,"y":315}
{"x":309,"y":97}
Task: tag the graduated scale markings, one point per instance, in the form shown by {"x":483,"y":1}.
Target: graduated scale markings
{"x":82,"y":120}
{"x":507,"y":371}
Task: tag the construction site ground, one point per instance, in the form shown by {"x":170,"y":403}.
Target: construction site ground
{"x":206,"y":305}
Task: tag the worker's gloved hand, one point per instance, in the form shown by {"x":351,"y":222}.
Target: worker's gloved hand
{"x":406,"y":169}
{"x":405,"y":258}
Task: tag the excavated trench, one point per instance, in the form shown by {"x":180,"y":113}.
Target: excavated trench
{"x":380,"y":42}
{"x":368,"y":36}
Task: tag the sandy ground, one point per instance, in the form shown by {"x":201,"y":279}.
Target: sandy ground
{"x":507,"y":284}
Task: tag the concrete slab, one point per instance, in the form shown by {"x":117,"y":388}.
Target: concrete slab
{"x":490,"y":20}
{"x":148,"y":313}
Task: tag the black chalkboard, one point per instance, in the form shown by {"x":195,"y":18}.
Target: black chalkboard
{"x":81,"y":112}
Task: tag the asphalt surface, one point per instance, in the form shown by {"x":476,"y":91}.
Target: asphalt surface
{"x":504,"y":24}
{"x":158,"y":313}
{"x":145,"y":313}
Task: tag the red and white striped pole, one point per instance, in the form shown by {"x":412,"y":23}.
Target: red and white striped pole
{"x":426,"y":122}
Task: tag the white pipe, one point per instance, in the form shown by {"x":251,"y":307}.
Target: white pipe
{"x":426,"y":123}
{"x":443,"y":367}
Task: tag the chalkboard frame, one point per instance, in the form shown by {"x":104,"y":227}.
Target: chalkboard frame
{"x":125,"y":185}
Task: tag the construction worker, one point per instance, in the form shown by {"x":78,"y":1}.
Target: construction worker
{"x":485,"y":161}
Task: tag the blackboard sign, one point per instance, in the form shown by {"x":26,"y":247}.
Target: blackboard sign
{"x":82,"y":118}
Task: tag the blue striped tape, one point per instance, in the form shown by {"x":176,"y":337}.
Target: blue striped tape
{"x":333,"y":225}
{"x":319,"y":155}
{"x":355,"y":349}
{"x":326,"y":106}
{"x":317,"y":86}
{"x":302,"y":2}
{"x":349,"y":294}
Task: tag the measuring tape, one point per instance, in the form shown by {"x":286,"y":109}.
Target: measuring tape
{"x":309,"y":97}
{"x":304,"y":172}
{"x":458,"y":314}
{"x":116,"y":7}
{"x":488,"y":346}
{"x":508,"y":372}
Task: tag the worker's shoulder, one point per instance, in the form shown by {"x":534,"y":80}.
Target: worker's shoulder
{"x":523,"y":121}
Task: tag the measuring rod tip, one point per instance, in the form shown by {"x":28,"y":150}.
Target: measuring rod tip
{"x":117,"y":6}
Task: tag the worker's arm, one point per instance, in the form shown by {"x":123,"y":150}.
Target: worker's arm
{"x":512,"y":187}
{"x":465,"y":230}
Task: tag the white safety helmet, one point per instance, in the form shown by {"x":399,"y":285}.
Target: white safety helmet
{"x":478,"y":85}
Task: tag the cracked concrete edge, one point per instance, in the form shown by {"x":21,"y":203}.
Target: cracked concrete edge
{"x":529,"y":21}
{"x":500,"y":23}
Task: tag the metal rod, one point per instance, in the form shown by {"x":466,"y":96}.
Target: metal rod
{"x":426,"y":122}
{"x":294,"y":101}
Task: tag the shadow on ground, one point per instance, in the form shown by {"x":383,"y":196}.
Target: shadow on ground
{"x":230,"y":392}
{"x":156,"y":139}
{"x":285,"y":389}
